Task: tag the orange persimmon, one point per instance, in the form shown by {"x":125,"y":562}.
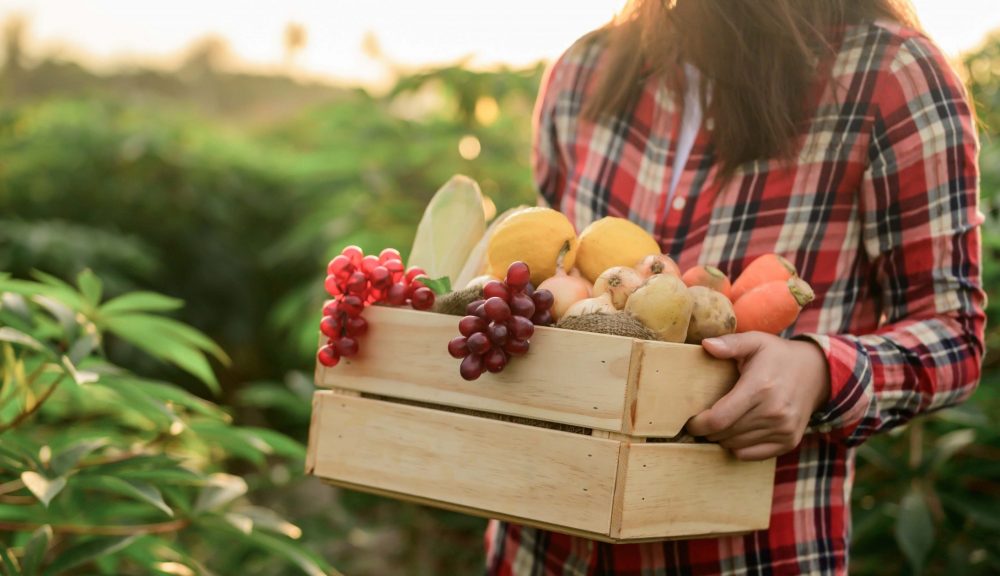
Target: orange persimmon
{"x":709,"y":277}
{"x":772,"y":306}
{"x":766,"y":268}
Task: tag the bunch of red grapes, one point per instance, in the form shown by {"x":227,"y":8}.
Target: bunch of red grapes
{"x":356,"y":281}
{"x":499,"y":326}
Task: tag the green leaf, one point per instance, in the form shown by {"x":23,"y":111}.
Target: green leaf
{"x":136,"y":489}
{"x":10,"y":566}
{"x":67,"y":459}
{"x":299,"y":555}
{"x":222,"y":489}
{"x":949,"y":444}
{"x":89,"y":551}
{"x":440,"y":286}
{"x":278,"y":442}
{"x":18,"y":337}
{"x":80,"y":378}
{"x":34,"y":550}
{"x":90,"y":286}
{"x":59,"y":290}
{"x":43,"y":488}
{"x":914,"y":529}
{"x":139,"y":302}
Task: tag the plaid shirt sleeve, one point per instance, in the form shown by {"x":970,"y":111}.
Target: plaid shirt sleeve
{"x":919,"y":203}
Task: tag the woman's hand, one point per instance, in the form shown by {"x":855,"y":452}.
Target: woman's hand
{"x":782,"y":382}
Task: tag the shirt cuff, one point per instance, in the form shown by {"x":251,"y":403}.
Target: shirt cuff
{"x":847,"y":377}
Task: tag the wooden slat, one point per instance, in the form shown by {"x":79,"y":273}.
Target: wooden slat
{"x":553,"y":477}
{"x":672,"y":383}
{"x":692,"y":490}
{"x":574,"y":378}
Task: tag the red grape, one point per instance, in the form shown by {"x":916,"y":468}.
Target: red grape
{"x":374,"y":295}
{"x":516,"y":347}
{"x":543,"y":300}
{"x":330,"y":327}
{"x":529,"y":289}
{"x":518,"y":275}
{"x":354,"y":253}
{"x":396,"y":295}
{"x":368,"y":263}
{"x":470,"y":325}
{"x":481,"y":310}
{"x":340,"y":266}
{"x":389,"y":254}
{"x":332,"y":285}
{"x":328,"y":356}
{"x":495,"y":288}
{"x":423,"y":298}
{"x":497,"y":310}
{"x":497,"y":333}
{"x":413,"y":286}
{"x":394,"y":267}
{"x":330,"y":308}
{"x":458,"y":347}
{"x":522,"y":305}
{"x":521,"y":328}
{"x":357,"y":284}
{"x":380,"y":277}
{"x":470,"y":310}
{"x":542,"y":318}
{"x":347,"y":346}
{"x":495,"y":360}
{"x":413,"y":272}
{"x":350,"y":305}
{"x":472,"y":367}
{"x":356,"y":326}
{"x":478,"y":343}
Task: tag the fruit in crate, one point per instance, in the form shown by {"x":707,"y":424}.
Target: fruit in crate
{"x":611,"y":242}
{"x":565,"y":290}
{"x":356,"y":281}
{"x":500,"y":324}
{"x":536,"y":236}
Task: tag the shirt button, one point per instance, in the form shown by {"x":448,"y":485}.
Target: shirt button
{"x":679,"y":203}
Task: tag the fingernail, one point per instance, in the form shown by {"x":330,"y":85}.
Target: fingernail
{"x":717,"y":342}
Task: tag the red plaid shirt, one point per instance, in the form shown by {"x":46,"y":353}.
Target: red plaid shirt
{"x":879,"y":213}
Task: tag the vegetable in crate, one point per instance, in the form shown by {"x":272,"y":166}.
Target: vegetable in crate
{"x":711,"y":316}
{"x":452,"y":224}
{"x":709,"y":277}
{"x":356,"y":281}
{"x":772,"y":306}
{"x":664,"y":305}
{"x":766,"y":268}
{"x":501,"y":324}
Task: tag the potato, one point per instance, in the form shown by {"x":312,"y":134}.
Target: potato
{"x":712,"y":315}
{"x":664,"y":305}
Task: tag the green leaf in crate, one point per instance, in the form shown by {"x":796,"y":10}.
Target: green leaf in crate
{"x":914,"y":529}
{"x":440,"y":285}
{"x":90,"y":286}
{"x":139,"y":302}
{"x":34,"y":550}
{"x":88,"y":551}
{"x":43,"y":488}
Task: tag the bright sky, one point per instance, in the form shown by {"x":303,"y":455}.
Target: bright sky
{"x":413,"y":33}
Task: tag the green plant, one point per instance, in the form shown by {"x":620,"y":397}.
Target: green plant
{"x":107,"y":471}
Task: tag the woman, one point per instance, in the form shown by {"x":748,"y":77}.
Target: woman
{"x":832,"y":132}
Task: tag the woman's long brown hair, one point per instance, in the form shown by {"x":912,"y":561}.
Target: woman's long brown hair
{"x":759,"y":56}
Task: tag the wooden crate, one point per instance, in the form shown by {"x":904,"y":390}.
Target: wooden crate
{"x":574,"y":437}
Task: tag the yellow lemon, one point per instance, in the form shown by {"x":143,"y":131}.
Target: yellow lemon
{"x":611,"y":242}
{"x":535,"y":236}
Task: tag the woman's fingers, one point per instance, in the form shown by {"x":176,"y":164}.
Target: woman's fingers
{"x":762,"y":451}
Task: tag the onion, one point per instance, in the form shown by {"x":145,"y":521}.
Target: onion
{"x":596,"y":305}
{"x":566,"y":291}
{"x":657,"y":264}
{"x":619,"y":282}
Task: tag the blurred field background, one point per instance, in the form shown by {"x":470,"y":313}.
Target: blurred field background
{"x":228,"y":181}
